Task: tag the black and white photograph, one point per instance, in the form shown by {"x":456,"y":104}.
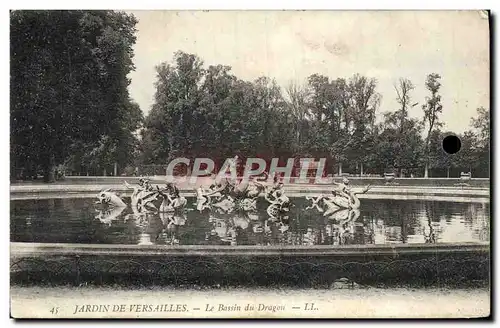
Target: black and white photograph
{"x":249,"y":164}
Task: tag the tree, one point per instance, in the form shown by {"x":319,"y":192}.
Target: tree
{"x":359,"y":103}
{"x":398,"y":149}
{"x":334,"y":118}
{"x":438,"y":158}
{"x":481,"y":130}
{"x":68,"y":82}
{"x":298,"y":103}
{"x":481,"y":124}
{"x":218,"y":83}
{"x":219,"y":117}
{"x":120,"y":146}
{"x":271,"y":120}
{"x":175,"y":122}
{"x":467,"y":158}
{"x":432,"y":108}
{"x":403,"y":90}
{"x":403,"y":128}
{"x":322,"y":112}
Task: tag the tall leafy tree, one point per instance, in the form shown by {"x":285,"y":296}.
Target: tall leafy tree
{"x":364,"y":102}
{"x":439,"y":160}
{"x":297,"y":99}
{"x":481,"y":129}
{"x":403,"y":91}
{"x":467,"y":158}
{"x":175,"y":121}
{"x":432,"y":108}
{"x":403,"y":127}
{"x":396,"y":149}
{"x":68,"y":83}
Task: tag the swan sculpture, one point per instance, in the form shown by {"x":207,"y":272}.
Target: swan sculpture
{"x":109,"y":198}
{"x":342,"y":205}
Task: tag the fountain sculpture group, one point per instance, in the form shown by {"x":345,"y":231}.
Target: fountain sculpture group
{"x":230,"y":204}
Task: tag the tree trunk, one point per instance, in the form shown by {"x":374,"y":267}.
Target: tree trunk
{"x":427,"y":142}
{"x":361,"y":174}
{"x":340,"y":169}
{"x":448,"y":172}
{"x":49,"y":170}
{"x":104,"y":172}
{"x":115,"y":169}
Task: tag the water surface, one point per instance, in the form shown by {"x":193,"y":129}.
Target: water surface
{"x":379,"y":222}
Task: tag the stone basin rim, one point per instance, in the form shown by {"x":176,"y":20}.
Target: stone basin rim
{"x":22,"y":249}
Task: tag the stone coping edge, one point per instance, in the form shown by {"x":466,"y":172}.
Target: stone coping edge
{"x":20,"y":249}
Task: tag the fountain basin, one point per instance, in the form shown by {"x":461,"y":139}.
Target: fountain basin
{"x":92,"y":260}
{"x":420,"y":264}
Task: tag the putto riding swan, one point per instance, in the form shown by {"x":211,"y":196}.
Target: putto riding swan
{"x":343,"y":201}
{"x":143,"y":194}
{"x":172,"y":200}
{"x":226,"y":195}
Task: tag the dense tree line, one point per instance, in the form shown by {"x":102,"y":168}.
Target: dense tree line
{"x":209,"y":112}
{"x":70,"y":106}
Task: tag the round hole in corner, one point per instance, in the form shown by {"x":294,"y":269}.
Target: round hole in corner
{"x":451,"y":144}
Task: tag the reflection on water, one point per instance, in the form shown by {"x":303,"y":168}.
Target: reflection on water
{"x":377,"y":222}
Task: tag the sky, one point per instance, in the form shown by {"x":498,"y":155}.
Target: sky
{"x":291,"y":45}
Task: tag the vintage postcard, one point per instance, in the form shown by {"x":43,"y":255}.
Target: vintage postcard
{"x":249,"y":164}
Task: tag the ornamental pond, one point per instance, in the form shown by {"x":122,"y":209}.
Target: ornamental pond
{"x":381,"y":221}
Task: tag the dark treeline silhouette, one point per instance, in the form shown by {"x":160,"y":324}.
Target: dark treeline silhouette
{"x":70,"y":107}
